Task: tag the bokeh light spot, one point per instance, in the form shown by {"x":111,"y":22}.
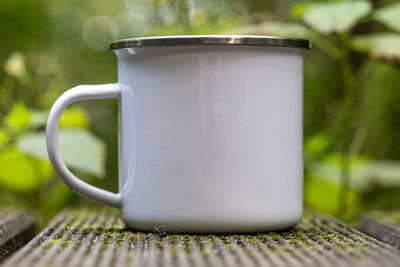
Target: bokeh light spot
{"x":99,"y":32}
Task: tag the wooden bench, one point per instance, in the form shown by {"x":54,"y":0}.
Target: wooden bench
{"x":16,"y":229}
{"x":383,"y":225}
{"x":97,"y":237}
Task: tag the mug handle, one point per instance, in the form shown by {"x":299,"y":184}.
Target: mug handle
{"x":81,"y":92}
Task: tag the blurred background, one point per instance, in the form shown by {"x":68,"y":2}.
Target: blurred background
{"x":352,"y":91}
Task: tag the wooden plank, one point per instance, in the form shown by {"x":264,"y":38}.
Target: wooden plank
{"x":96,"y":237}
{"x":16,"y":229}
{"x":383,"y":225}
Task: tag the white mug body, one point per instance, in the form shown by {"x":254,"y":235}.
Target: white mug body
{"x":211,"y":138}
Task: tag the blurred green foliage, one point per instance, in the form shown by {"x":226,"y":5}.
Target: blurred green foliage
{"x":340,"y":165}
{"x":25,"y":171}
{"x":352,"y":96}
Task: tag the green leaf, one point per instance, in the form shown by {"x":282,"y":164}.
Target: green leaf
{"x":18,"y":118}
{"x":317,"y":144}
{"x":22,"y":173}
{"x":280,"y":29}
{"x":80,"y":149}
{"x":389,"y":15}
{"x":335,"y":17}
{"x":298,"y":9}
{"x":74,"y":116}
{"x":325,"y":196}
{"x":384,"y":172}
{"x":4,"y":138}
{"x":364,"y":173}
{"x":38,"y":118}
{"x":382,"y":46}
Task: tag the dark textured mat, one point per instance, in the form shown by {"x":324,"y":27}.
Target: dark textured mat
{"x":16,"y":229}
{"x":98,"y":238}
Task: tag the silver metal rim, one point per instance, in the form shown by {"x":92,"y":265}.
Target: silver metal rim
{"x":200,"y":40}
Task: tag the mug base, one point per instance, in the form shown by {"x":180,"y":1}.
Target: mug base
{"x":216,"y":227}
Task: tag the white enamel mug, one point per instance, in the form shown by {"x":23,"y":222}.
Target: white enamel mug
{"x":210,"y":133}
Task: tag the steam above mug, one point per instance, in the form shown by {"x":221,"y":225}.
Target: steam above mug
{"x":210,"y":133}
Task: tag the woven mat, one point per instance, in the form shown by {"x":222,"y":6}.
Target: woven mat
{"x":96,"y":237}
